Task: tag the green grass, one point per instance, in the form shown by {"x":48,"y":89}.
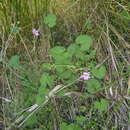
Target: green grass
{"x":45,"y":70}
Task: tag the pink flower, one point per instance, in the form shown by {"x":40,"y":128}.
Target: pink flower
{"x":85,"y":76}
{"x":35,"y":32}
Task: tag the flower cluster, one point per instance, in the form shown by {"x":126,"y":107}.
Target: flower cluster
{"x":35,"y":32}
{"x":85,"y":76}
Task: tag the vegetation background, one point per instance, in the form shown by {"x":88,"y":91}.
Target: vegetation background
{"x":25,"y":58}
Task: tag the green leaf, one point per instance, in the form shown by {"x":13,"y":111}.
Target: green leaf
{"x":66,"y":74}
{"x":86,"y":95}
{"x":42,"y":92}
{"x":46,"y":66}
{"x":41,"y":96}
{"x":125,"y":15}
{"x":93,"y":53}
{"x":63,"y":59}
{"x":44,"y":79}
{"x":85,"y":41}
{"x":31,"y":121}
{"x":60,"y":56}
{"x":80,"y":55}
{"x":72,"y":49}
{"x":71,"y":79}
{"x":40,"y":99}
{"x":80,"y":119}
{"x":74,"y":127}
{"x":65,"y":126}
{"x":60,"y":68}
{"x":93,"y":86}
{"x":14,"y":61}
{"x":101,"y":105}
{"x":50,"y":20}
{"x":100,"y":72}
{"x":57,"y":50}
{"x":50,"y":81}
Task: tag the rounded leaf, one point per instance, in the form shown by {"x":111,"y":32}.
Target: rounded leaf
{"x":57,"y":50}
{"x":60,"y":69}
{"x":46,"y":66}
{"x":93,"y":85}
{"x":50,"y":20}
{"x":72,"y":49}
{"x":66,"y":74}
{"x":85,"y":41}
{"x":100,"y":72}
{"x":14,"y":61}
